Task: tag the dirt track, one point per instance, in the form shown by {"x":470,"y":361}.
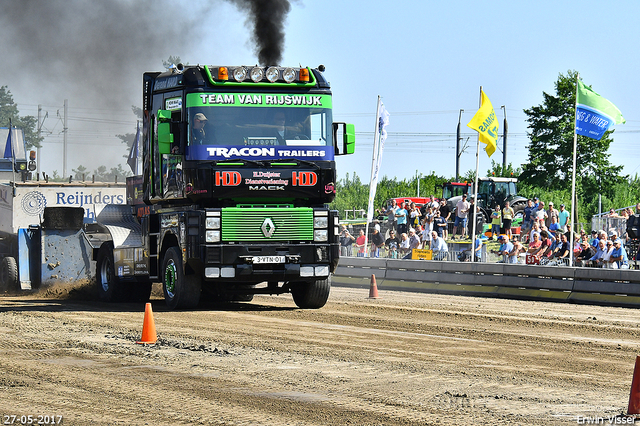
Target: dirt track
{"x":405,"y":359}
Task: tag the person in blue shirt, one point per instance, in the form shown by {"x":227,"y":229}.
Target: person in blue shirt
{"x":401,"y":219}
{"x":597,"y":259}
{"x":563,"y":218}
{"x":554,"y":227}
{"x":618,"y":258}
{"x":505,"y":247}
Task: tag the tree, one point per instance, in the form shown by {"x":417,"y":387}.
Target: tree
{"x":497,"y":170}
{"x":550,"y":161}
{"x":9,"y":113}
{"x":115,"y":174}
{"x":81,"y":173}
{"x":172,"y":60}
{"x":129,"y":138}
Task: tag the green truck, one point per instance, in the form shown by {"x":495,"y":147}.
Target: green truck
{"x":238,"y":170}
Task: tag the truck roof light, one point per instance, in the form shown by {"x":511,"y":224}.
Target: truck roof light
{"x":273,"y":74}
{"x":257,"y":74}
{"x":223,"y":73}
{"x":239,"y":74}
{"x":32,"y":155}
{"x":304,"y":74}
{"x":289,"y":75}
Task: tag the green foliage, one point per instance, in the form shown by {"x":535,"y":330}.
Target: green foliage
{"x":550,"y":161}
{"x":352,"y":193}
{"x":548,"y":172}
{"x":9,"y":113}
{"x":81,"y":173}
{"x":172,"y":60}
{"x":496,"y":170}
{"x":129,"y":138}
{"x":115,"y":174}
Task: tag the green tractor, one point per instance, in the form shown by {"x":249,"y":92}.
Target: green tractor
{"x":492,"y":191}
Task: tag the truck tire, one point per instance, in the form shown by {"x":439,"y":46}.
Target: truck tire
{"x":9,"y":274}
{"x":181,"y":291}
{"x":109,"y":287}
{"x":311,"y":295}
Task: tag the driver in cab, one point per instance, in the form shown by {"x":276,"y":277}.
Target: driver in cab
{"x":197,"y":131}
{"x":283,"y":131}
{"x":279,"y":123}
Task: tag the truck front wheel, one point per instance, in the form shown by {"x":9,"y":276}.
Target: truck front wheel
{"x":9,"y":274}
{"x":181,"y":291}
{"x":311,"y":295}
{"x":109,"y":287}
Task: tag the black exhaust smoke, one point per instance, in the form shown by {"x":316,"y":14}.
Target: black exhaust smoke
{"x":266,"y":17}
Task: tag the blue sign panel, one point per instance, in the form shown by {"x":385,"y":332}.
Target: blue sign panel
{"x":257,"y":153}
{"x":592,"y":123}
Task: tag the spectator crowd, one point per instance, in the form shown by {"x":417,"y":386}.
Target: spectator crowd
{"x":544,"y":236}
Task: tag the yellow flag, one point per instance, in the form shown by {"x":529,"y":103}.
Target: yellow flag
{"x":486,"y":123}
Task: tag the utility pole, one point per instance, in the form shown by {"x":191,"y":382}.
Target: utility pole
{"x":40,"y":124}
{"x":504,"y":142}
{"x":458,"y":147}
{"x":38,"y":149}
{"x":65,"y":130}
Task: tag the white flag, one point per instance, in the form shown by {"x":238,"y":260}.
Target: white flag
{"x":382,"y":121}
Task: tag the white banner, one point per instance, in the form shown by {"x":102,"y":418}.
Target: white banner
{"x":382,"y":120}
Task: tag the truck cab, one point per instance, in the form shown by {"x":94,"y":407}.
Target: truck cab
{"x":238,"y":170}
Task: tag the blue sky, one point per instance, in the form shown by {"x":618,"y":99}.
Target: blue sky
{"x":427,"y":60}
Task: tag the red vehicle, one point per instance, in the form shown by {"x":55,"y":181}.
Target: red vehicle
{"x":420,"y":201}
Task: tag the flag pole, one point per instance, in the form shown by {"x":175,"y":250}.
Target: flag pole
{"x":374,"y":160}
{"x":13,"y":161}
{"x":475,"y":193}
{"x":573,"y":175}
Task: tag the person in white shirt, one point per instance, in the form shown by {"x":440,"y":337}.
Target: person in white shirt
{"x":438,"y":246}
{"x":462,"y":211}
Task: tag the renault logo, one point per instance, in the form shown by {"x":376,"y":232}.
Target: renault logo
{"x":268,"y":228}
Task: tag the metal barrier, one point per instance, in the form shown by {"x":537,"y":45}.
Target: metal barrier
{"x":618,"y":287}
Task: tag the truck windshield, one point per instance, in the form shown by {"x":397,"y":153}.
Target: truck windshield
{"x":250,"y":126}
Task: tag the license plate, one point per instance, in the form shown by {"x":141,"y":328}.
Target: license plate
{"x":268,"y":259}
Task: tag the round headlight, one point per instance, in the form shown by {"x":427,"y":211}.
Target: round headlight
{"x":289,"y":75}
{"x":239,"y":74}
{"x":273,"y":74}
{"x":257,"y":74}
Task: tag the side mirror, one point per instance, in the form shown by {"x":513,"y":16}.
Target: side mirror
{"x":348,"y":136}
{"x":165,"y":137}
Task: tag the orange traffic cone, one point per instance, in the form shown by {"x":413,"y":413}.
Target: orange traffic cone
{"x":148,"y":327}
{"x":373,"y":289}
{"x":634,"y":395}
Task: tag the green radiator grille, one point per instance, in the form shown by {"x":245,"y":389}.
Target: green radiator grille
{"x":267,"y":224}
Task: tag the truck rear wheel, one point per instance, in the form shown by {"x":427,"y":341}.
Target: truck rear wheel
{"x":311,"y":295}
{"x":181,"y":291}
{"x":9,"y":274}
{"x":109,"y":287}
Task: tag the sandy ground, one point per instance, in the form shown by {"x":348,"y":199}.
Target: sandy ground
{"x":404,"y":359}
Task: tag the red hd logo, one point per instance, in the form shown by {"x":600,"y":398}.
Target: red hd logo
{"x":304,"y":179}
{"x":228,"y":178}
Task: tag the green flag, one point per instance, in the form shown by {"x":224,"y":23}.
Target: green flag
{"x":594,"y":114}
